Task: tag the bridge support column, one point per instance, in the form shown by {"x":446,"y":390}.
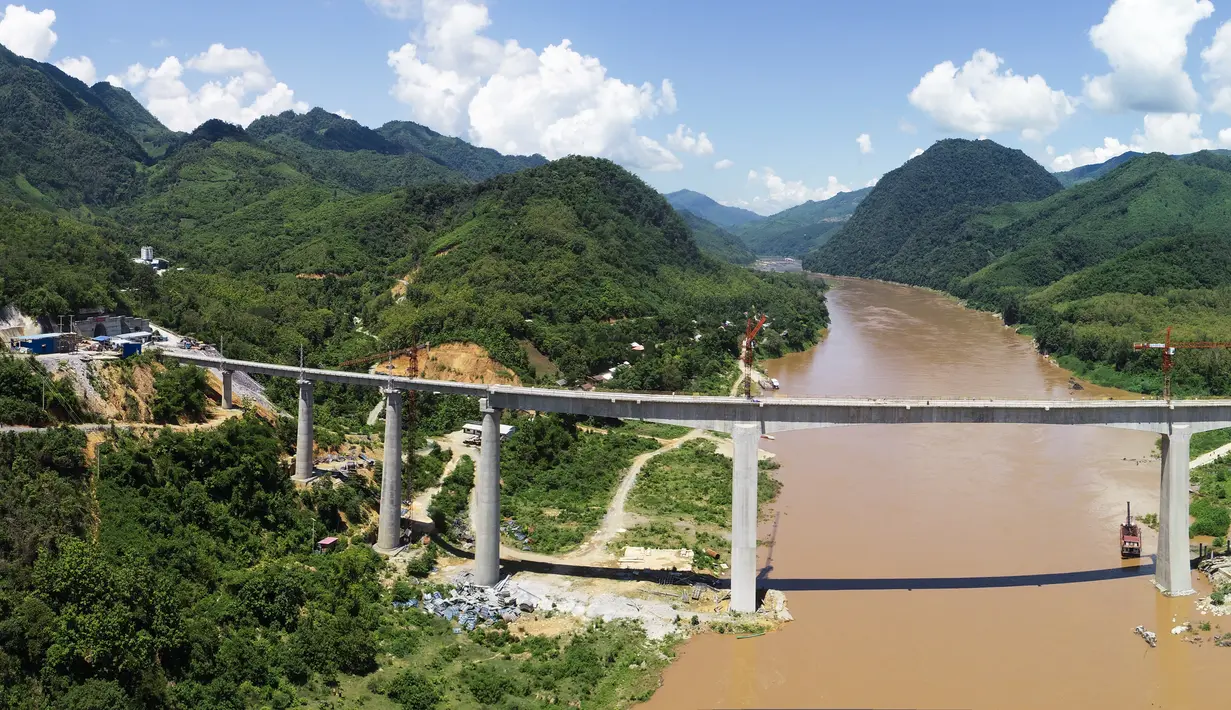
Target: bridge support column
{"x":744,"y":518}
{"x":303,"y":444}
{"x":226,"y":389}
{"x":389,"y":535}
{"x":487,"y":500}
{"x":1172,"y":573}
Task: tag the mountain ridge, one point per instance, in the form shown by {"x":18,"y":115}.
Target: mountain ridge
{"x":894,"y":232}
{"x":710,"y":209}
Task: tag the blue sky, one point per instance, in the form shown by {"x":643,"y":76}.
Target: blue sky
{"x":782,"y":92}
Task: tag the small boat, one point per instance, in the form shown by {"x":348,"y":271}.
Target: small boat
{"x":1130,"y":536}
{"x":751,"y":636}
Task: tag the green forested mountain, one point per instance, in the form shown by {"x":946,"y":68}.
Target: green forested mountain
{"x":799,"y":230}
{"x":59,"y":144}
{"x":282,"y":235}
{"x":1147,"y":198}
{"x":716,"y":241}
{"x":582,"y":258}
{"x":906,"y":223}
{"x":454,"y":153}
{"x":135,"y":119}
{"x":708,"y":209}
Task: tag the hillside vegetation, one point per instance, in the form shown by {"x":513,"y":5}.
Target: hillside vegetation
{"x":716,"y":241}
{"x":800,"y":229}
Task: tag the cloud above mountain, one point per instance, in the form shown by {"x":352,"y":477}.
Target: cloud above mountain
{"x":499,"y":94}
{"x":241,"y":90}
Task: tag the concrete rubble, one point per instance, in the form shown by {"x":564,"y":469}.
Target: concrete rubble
{"x":1217,"y":569}
{"x":470,"y":605}
{"x":775,"y":605}
{"x":1149,"y":636}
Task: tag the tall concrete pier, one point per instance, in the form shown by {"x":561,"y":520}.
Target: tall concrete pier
{"x":487,"y":500}
{"x":303,"y":443}
{"x":744,"y":518}
{"x":226,"y":389}
{"x":389,"y":536}
{"x":1172,"y":573}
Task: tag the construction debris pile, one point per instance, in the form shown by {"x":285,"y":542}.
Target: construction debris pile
{"x":469,"y":605}
{"x":511,"y":527}
{"x":1149,"y":636}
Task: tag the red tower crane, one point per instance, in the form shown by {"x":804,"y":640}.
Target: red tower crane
{"x":750,"y":334}
{"x":1169,"y":349}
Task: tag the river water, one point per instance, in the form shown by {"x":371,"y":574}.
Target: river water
{"x":900,"y":547}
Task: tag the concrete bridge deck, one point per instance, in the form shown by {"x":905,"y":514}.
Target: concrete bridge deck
{"x":746,"y":420}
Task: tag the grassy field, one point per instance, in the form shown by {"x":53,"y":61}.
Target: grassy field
{"x":686,"y":494}
{"x":425,"y":666}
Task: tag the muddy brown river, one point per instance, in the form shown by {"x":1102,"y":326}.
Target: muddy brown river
{"x":945,"y":566}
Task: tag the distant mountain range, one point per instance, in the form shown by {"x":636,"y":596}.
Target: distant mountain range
{"x":709,"y":209}
{"x":798,"y":230}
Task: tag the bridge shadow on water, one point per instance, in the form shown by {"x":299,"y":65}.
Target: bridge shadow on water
{"x":820,"y":584}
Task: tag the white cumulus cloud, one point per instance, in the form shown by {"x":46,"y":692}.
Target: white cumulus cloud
{"x":915,"y":152}
{"x":1146,"y":42}
{"x":501,"y":95}
{"x":781,"y":194}
{"x":343,"y":113}
{"x":979,"y":98}
{"x":723,"y":164}
{"x":28,"y":33}
{"x":865,"y":143}
{"x":245,"y":90}
{"x":1217,"y":74}
{"x":872,"y":182}
{"x":80,"y":68}
{"x":684,"y":140}
{"x":1172,"y":133}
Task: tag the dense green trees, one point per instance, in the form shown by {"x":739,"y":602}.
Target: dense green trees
{"x":716,"y":241}
{"x":179,"y":394}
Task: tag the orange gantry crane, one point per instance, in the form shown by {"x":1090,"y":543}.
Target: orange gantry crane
{"x":750,"y":334}
{"x":1169,"y":349}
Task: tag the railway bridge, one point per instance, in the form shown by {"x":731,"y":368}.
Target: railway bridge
{"x":746,"y":421}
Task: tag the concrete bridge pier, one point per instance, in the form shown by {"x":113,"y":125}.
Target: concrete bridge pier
{"x":226,"y":389}
{"x":389,"y":535}
{"x":744,"y":518}
{"x":303,"y":443}
{"x":487,"y":500}
{"x":1172,"y":574}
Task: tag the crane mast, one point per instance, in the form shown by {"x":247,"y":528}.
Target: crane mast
{"x":750,"y":334}
{"x":1168,"y":347}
